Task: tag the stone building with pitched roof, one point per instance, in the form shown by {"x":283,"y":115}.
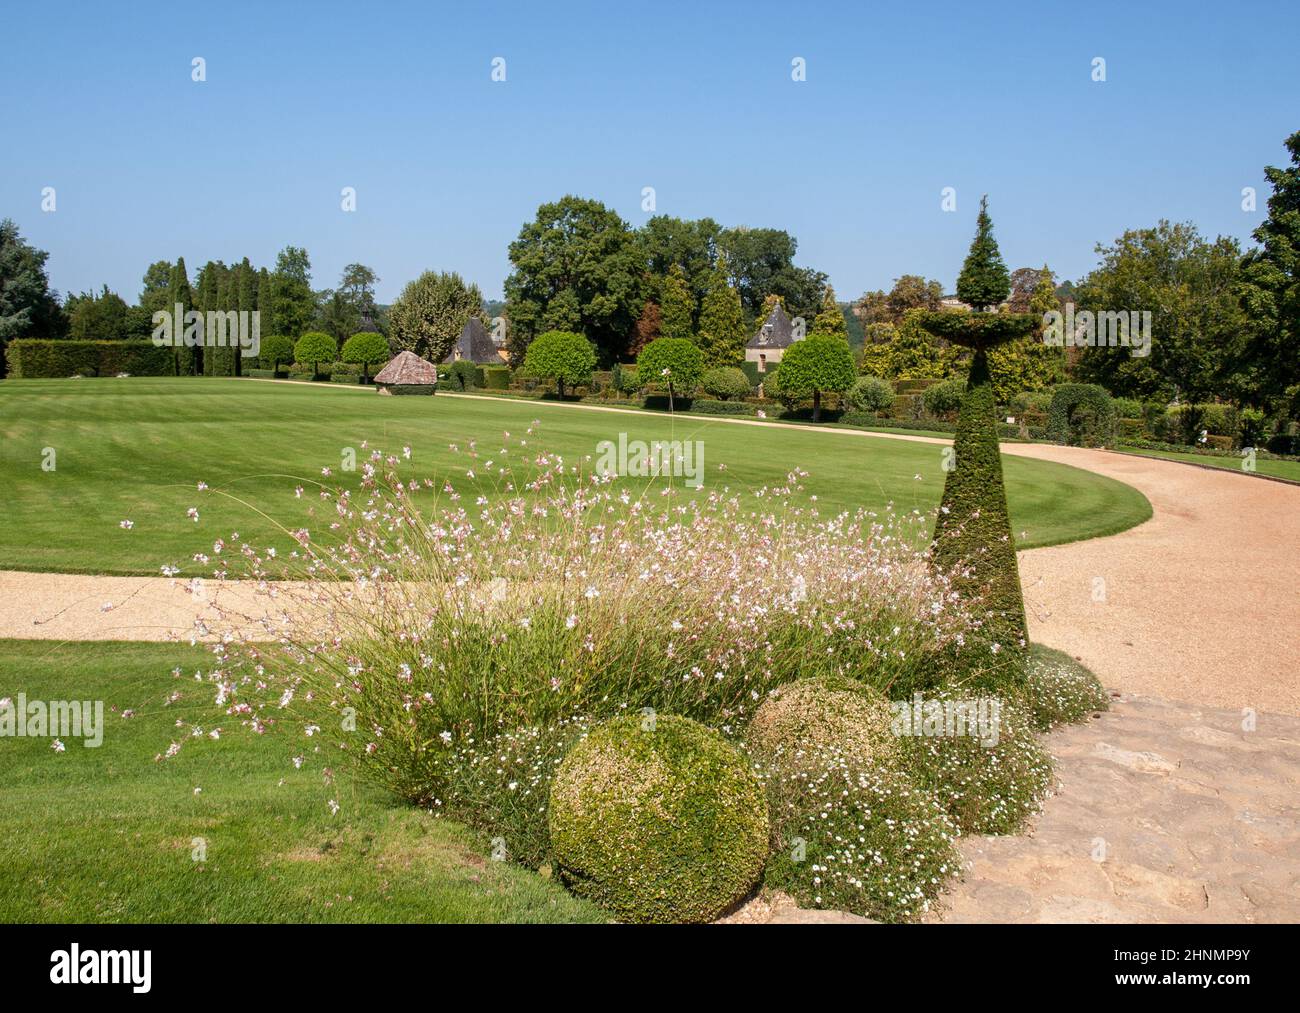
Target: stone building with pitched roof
{"x":773,"y":337}
{"x":476,"y":345}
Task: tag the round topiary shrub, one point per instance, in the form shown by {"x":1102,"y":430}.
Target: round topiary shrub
{"x":673,"y":363}
{"x":944,"y":398}
{"x":870,"y":394}
{"x":369,"y":348}
{"x":315,"y":347}
{"x":276,"y":350}
{"x":725,"y":382}
{"x":658,"y":820}
{"x":827,"y":711}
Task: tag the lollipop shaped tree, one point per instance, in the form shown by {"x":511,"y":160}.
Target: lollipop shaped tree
{"x":972,"y":535}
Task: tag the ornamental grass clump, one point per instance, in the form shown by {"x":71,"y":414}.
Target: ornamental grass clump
{"x":521,"y":590}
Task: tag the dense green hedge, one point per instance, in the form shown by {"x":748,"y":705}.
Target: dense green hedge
{"x":34,"y":358}
{"x":461,"y":375}
{"x":703,"y":406}
{"x":496,"y":378}
{"x":1082,"y":415}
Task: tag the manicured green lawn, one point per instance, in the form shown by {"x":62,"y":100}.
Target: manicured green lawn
{"x":1263,"y":466}
{"x":107,"y":834}
{"x":137,"y":448}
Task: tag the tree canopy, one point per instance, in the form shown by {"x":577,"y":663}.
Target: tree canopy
{"x":432,"y":310}
{"x":562,"y":356}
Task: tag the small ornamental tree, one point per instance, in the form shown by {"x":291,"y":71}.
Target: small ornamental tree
{"x":369,"y":348}
{"x":984,"y":281}
{"x":818,"y":363}
{"x":972,"y":534}
{"x":275,"y":349}
{"x":674,"y":362}
{"x":315,"y":347}
{"x":562,"y":356}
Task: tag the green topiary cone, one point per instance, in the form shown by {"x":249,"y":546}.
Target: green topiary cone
{"x":973,"y":530}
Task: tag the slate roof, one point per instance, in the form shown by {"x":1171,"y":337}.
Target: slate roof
{"x":474,"y":345}
{"x":776,"y":331}
{"x":407,"y":370}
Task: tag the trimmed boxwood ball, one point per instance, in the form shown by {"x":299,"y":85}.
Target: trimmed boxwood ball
{"x":869,"y":394}
{"x":658,"y":821}
{"x":723,"y":382}
{"x":827,"y":711}
{"x":276,"y":351}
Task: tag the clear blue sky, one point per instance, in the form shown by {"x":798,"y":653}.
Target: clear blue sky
{"x":601,"y":99}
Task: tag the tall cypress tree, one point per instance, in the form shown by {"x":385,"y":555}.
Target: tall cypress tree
{"x":722,"y":319}
{"x":179,"y":293}
{"x":984,"y":281}
{"x":676,"y":306}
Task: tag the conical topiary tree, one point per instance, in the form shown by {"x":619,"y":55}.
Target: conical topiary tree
{"x":972,"y":535}
{"x":984,"y":281}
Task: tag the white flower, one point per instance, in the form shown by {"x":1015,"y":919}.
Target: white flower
{"x":57,"y":746}
{"x":126,"y":525}
{"x":193,"y":514}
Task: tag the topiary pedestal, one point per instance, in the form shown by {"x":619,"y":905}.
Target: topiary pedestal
{"x":972,"y":536}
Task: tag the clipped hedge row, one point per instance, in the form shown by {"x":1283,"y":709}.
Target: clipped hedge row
{"x":38,"y":358}
{"x":707,"y":407}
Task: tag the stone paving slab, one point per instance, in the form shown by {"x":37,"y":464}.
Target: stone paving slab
{"x":1165,"y":812}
